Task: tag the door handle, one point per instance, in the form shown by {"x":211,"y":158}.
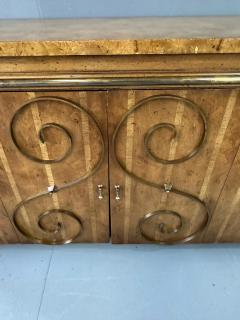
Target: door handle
{"x":117,"y":192}
{"x":100,"y":194}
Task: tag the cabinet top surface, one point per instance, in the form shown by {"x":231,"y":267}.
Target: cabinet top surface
{"x":120,"y":36}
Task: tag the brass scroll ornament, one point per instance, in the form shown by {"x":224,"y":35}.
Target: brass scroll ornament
{"x":164,"y":187}
{"x":47,"y":214}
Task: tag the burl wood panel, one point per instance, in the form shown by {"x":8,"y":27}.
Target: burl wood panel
{"x":204,"y":175}
{"x":153,"y":35}
{"x":21,"y":177}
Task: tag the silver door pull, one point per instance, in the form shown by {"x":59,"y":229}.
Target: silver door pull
{"x":100,"y":188}
{"x":117,"y":192}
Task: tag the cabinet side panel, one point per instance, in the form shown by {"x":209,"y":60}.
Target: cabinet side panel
{"x":225,"y":223}
{"x":8,"y":233}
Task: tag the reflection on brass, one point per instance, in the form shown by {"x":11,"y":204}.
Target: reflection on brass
{"x":56,"y":231}
{"x":41,"y":138}
{"x":83,"y":81}
{"x":53,"y":189}
{"x":165,"y":229}
{"x":117,"y":191}
{"x":165,"y":187}
{"x":100,"y":191}
{"x":43,"y":129}
{"x":148,"y":135}
{"x":201,"y":227}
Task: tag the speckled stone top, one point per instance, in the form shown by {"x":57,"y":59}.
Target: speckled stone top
{"x":178,"y":35}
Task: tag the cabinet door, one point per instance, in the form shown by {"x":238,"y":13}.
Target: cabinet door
{"x":171,"y":153}
{"x":53,"y":167}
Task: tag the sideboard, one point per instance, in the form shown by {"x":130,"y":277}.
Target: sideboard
{"x":121,"y":130}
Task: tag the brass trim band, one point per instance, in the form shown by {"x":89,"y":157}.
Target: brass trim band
{"x":74,"y":83}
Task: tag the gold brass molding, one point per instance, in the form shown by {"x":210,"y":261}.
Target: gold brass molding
{"x":21,"y":83}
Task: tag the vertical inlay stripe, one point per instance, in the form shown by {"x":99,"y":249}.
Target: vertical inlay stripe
{"x":44,"y":152}
{"x":234,"y":204}
{"x":168,"y":169}
{"x":88,"y":157}
{"x":12,"y":182}
{"x":218,"y":142}
{"x":217,"y":146}
{"x":173,"y":145}
{"x":129,"y":160}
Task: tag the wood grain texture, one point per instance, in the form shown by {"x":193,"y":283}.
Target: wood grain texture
{"x":225,"y":226}
{"x":102,"y":66}
{"x":21,"y":177}
{"x":204,"y":175}
{"x":178,"y":35}
{"x":8,"y":233}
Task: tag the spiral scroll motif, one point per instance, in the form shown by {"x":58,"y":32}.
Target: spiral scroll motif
{"x":163,"y":227}
{"x":47,"y":214}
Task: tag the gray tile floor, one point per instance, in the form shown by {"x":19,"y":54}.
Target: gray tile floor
{"x":96,"y":282}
